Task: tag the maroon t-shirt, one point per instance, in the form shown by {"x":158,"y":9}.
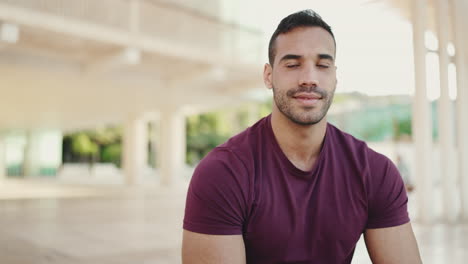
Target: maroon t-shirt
{"x":247,"y":186}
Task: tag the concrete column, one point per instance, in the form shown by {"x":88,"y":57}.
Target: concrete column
{"x":172,"y":151}
{"x":31,"y":162}
{"x":2,"y":158}
{"x":462,"y":101}
{"x":446,"y":129}
{"x":421,"y":124}
{"x":135,"y":151}
{"x":156,"y":141}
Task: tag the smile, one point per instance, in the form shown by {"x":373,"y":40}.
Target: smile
{"x":307,"y":99}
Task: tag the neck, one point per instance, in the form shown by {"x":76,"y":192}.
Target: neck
{"x":301,"y":144}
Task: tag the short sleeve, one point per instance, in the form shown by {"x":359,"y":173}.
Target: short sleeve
{"x":386,"y":193}
{"x":218,"y":195}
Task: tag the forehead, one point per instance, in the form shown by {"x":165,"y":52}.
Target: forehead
{"x":305,"y":41}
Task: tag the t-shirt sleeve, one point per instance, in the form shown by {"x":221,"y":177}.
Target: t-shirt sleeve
{"x":218,"y":195}
{"x":386,"y":193}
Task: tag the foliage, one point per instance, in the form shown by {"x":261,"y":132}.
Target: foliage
{"x":83,"y":145}
{"x":102,"y":144}
{"x":402,"y":128}
{"x":376,"y":122}
{"x":105,"y":135}
{"x":208,"y":130}
{"x":372,"y":121}
{"x":112,"y":153}
{"x":204,"y":132}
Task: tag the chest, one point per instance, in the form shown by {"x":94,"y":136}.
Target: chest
{"x":297,"y":220}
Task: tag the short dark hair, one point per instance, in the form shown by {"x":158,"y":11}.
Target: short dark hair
{"x":304,"y":18}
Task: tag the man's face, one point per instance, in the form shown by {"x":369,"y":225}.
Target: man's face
{"x":303,"y":77}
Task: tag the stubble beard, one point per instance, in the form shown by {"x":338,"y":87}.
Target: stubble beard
{"x":303,"y":116}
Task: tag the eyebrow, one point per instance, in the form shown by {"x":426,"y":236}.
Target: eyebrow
{"x":325,"y":57}
{"x":290,"y":57}
{"x":321,"y":56}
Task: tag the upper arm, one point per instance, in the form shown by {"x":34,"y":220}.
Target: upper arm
{"x":212,"y":249}
{"x":216,"y":209}
{"x":218,"y":198}
{"x":387,"y":198}
{"x":392,"y":245}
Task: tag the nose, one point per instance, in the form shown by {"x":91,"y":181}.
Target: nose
{"x":308,"y":77}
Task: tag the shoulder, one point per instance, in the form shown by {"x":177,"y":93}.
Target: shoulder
{"x":219,"y":195}
{"x":370,"y":163}
{"x":348,"y":147}
{"x":247,"y":139}
{"x":245,"y":145}
{"x":345,"y":140}
{"x":219,"y":164}
{"x":378,"y":161}
{"x":386,"y":196}
{"x":234,"y":158}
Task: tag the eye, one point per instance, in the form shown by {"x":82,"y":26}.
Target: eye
{"x":323,"y":66}
{"x":291,"y":66}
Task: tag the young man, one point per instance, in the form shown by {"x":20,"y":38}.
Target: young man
{"x":293,"y":188}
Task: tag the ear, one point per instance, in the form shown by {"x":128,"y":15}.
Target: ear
{"x":267,"y":76}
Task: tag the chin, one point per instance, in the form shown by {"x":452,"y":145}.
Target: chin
{"x":305,"y":121}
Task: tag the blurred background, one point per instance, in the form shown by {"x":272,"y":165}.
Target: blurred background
{"x":107,"y":106}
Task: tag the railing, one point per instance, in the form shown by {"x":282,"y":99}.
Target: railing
{"x":171,"y":23}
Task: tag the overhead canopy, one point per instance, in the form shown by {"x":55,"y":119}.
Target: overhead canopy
{"x":79,"y":63}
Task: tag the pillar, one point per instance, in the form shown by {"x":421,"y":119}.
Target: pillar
{"x":462,"y":101}
{"x":2,"y":158}
{"x":31,"y":162}
{"x":155,"y":138}
{"x":445,"y":126}
{"x":172,"y":147}
{"x":135,"y":151}
{"x":421,"y":123}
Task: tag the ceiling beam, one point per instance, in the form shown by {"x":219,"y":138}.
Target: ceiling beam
{"x":126,"y":57}
{"x":199,"y":76}
{"x":119,"y":37}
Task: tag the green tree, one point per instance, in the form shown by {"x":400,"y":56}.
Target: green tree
{"x":112,"y":153}
{"x":83,"y":145}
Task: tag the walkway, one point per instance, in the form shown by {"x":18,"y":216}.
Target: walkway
{"x":86,"y":224}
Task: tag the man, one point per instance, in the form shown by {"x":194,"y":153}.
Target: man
{"x":293,"y":188}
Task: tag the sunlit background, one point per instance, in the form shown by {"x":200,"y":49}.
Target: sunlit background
{"x":107,"y":106}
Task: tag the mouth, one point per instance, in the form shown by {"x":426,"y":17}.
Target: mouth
{"x":307,"y":99}
{"x":308,"y":96}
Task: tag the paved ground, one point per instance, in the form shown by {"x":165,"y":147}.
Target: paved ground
{"x":71,"y":224}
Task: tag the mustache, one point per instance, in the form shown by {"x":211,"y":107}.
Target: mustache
{"x":315,"y":89}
